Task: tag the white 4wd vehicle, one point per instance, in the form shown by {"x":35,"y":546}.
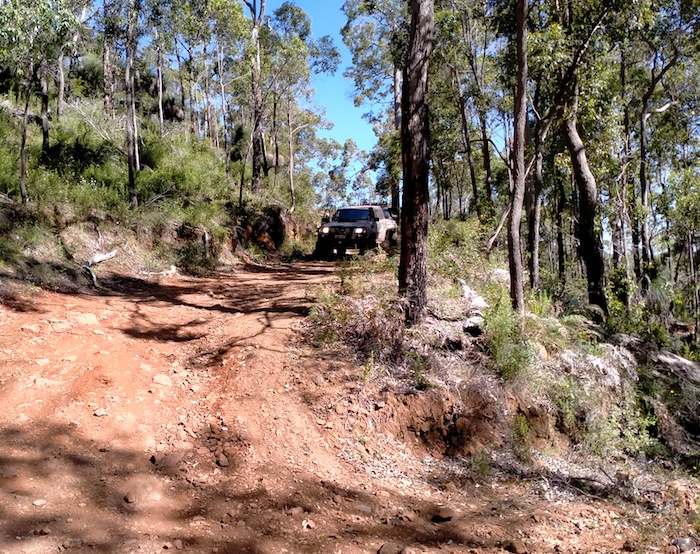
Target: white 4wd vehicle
{"x":361,"y":227}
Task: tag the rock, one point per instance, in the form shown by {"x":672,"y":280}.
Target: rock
{"x":178,"y":544}
{"x":85,"y":319}
{"x":684,"y":544}
{"x":43,"y":361}
{"x":223,"y":460}
{"x":516,"y":546}
{"x":100,"y":412}
{"x":364,"y":508}
{"x":443,"y":515}
{"x":389,"y":548}
{"x":296,"y":511}
{"x":40,"y":502}
{"x":132,"y":497}
{"x":474,"y":326}
{"x":59,"y":326}
{"x":162,"y":380}
{"x":172,"y":460}
{"x":41,"y":382}
{"x":308,"y":524}
{"x":33,"y":328}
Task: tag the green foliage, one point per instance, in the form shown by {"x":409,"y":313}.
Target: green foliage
{"x":540,"y":304}
{"x":480,"y":464}
{"x":418,"y":368}
{"x":364,"y":314}
{"x":295,"y":249}
{"x":9,"y":251}
{"x":522,"y":441}
{"x":194,"y":260}
{"x":573,"y":406}
{"x":509,"y":349}
{"x":455,"y":248}
{"x":631,"y":429}
{"x":327,"y":314}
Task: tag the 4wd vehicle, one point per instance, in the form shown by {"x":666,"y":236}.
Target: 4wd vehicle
{"x":361,"y":227}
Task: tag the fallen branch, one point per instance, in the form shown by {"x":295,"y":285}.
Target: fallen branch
{"x":96,"y":259}
{"x":494,"y":237}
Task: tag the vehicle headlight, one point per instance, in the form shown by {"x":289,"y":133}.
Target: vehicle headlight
{"x":325,"y":230}
{"x":360,"y":230}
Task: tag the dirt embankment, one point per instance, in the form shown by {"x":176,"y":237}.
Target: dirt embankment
{"x":186,"y":414}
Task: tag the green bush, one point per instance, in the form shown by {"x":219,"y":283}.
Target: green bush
{"x":573,"y":407}
{"x":505,"y":342}
{"x":522,"y":441}
{"x":455,"y":248}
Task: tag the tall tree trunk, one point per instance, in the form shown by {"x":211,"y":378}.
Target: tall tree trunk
{"x":620,"y":253}
{"x":192,"y":94}
{"x":534,"y":212}
{"x":257,"y":15}
{"x":159,"y":61}
{"x":415,"y":143}
{"x":131,"y":137}
{"x":226,"y":126}
{"x":644,"y":188}
{"x":486,"y":155}
{"x":396,"y":87}
{"x":60,"y":84}
{"x":181,"y":78}
{"x":647,"y":260}
{"x":107,"y":68}
{"x":515,"y":255}
{"x":561,"y":253}
{"x":23,"y":143}
{"x":462,"y":102}
{"x":590,"y":244}
{"x":44,"y":86}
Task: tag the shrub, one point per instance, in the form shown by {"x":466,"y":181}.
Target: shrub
{"x":505,"y":343}
{"x":454,"y":248}
{"x":522,"y":443}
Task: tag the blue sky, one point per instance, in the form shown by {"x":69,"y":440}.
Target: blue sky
{"x":333,"y":92}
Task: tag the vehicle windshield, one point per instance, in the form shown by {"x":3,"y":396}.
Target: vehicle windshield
{"x":351,"y":214}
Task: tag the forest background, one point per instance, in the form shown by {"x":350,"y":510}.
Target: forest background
{"x":198,"y":116}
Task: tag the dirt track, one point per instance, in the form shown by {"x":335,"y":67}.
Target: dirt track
{"x":187,"y":414}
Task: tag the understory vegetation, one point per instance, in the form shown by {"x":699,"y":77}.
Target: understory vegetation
{"x":574,"y":381}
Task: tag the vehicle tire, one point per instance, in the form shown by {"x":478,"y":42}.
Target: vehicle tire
{"x":323,"y":253}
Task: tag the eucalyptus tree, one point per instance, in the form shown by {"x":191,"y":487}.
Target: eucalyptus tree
{"x":229,"y":33}
{"x":257,"y":13}
{"x":376,"y":33}
{"x":476,"y":43}
{"x":157,"y":17}
{"x":515,"y":257}
{"x":451,"y":102}
{"x":298,"y":56}
{"x":415,"y":148}
{"x":31,"y":36}
{"x":665,"y":40}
